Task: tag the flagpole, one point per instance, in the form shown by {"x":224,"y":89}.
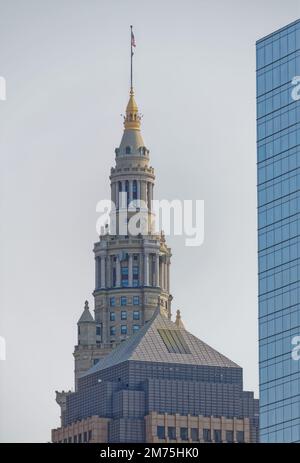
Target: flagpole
{"x":131,"y":54}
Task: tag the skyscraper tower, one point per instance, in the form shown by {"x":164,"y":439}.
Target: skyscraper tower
{"x":278,"y":169}
{"x":132,"y":271}
{"x":139,"y":376}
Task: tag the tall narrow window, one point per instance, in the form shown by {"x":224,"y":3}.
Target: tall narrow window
{"x":127,"y":150}
{"x":124,"y":274}
{"x":127,"y":191}
{"x":134,"y":189}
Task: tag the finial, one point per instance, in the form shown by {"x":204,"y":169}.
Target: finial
{"x":178,"y":320}
{"x":86,"y":305}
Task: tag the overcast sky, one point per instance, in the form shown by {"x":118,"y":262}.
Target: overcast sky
{"x":66,"y":64}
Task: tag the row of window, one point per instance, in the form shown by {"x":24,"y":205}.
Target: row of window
{"x":281,"y":255}
{"x":273,"y":123}
{"x":123,"y":315}
{"x":274,"y":145}
{"x":279,"y":300}
{"x":274,"y":190}
{"x":278,"y":368}
{"x":279,"y":165}
{"x":278,"y":413}
{"x":77,"y":439}
{"x":279,"y":392}
{"x":276,"y":279}
{"x":123,"y":301}
{"x":286,"y":322}
{"x":279,"y":233}
{"x":123,"y":329}
{"x":278,"y":345}
{"x":278,"y":74}
{"x":277,"y":47}
{"x":290,"y":432}
{"x":278,"y":211}
{"x":273,"y":101}
{"x":194,"y":434}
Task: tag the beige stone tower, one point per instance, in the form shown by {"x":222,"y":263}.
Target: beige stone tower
{"x":132,"y":271}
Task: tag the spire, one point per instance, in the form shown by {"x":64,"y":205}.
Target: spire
{"x":132,"y":120}
{"x":86,"y":314}
{"x":132,"y":142}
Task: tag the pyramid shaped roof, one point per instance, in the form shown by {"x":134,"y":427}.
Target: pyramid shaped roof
{"x":161,"y":340}
{"x":86,"y":316}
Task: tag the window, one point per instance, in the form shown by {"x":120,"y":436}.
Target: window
{"x":134,"y":189}
{"x":65,"y":441}
{"x":206,"y":435}
{"x":135,"y":276}
{"x":127,"y":190}
{"x":95,"y":361}
{"x":161,"y":432}
{"x":70,"y":440}
{"x":112,"y":301}
{"x":229,"y":436}
{"x":136,"y":315}
{"x":194,"y":434}
{"x":112,"y":316}
{"x":135,"y":328}
{"x":127,"y":150}
{"x":217,"y":435}
{"x":240,"y":436}
{"x":112,"y":330}
{"x":78,"y":330}
{"x":90,"y":435}
{"x":136,"y":300}
{"x":123,"y":300}
{"x":124,"y":275}
{"x":174,"y":341}
{"x":123,"y":329}
{"x":75,"y":440}
{"x":123,"y":315}
{"x":184,"y":433}
{"x":79,"y":438}
{"x":85,"y":437}
{"x":172,"y":432}
{"x":98,"y":331}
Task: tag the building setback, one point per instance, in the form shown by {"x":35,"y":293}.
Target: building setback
{"x":139,"y":376}
{"x":278,"y":167}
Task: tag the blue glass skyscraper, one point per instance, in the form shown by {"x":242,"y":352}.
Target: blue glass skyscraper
{"x":278,"y":168}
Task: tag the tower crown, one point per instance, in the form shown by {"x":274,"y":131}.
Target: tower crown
{"x":132,"y":120}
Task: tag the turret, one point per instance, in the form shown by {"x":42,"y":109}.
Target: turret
{"x":87,"y":332}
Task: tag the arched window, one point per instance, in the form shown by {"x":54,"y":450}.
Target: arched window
{"x":127,"y":150}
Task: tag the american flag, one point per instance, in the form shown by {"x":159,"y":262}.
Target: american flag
{"x":133,"y":44}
